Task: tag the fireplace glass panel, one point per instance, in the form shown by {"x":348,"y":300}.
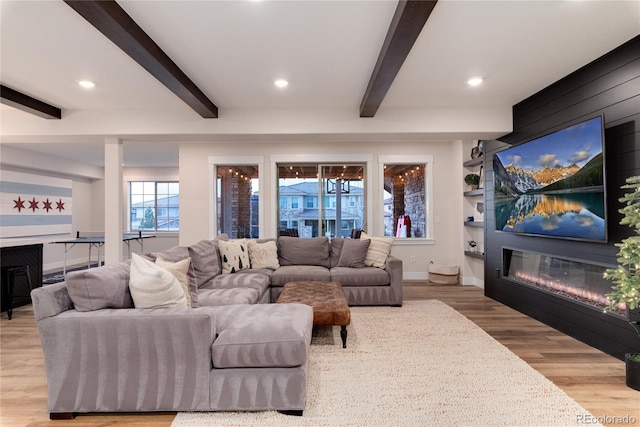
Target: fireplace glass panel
{"x":576,"y":280}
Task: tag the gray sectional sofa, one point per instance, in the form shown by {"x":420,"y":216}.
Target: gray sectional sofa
{"x":228,"y":349}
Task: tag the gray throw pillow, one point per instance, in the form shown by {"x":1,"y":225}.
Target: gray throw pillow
{"x":205,"y":259}
{"x":102,"y":287}
{"x":353,"y":253}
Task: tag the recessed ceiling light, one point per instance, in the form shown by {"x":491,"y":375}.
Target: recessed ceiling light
{"x":281,"y":83}
{"x":87,"y":84}
{"x":475,"y":81}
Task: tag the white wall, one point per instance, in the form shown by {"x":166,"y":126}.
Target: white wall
{"x":196,"y":183}
{"x":88,"y":189}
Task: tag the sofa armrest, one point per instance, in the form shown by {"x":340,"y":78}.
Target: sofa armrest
{"x":393,"y":266}
{"x":50,"y":300}
{"x":128,"y":359}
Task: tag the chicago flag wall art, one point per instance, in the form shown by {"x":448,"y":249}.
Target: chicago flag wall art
{"x":34,"y":205}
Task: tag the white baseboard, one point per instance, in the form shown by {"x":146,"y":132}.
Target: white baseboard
{"x":472,"y":281}
{"x":416,"y":275}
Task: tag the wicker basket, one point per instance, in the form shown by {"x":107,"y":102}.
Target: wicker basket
{"x":443,"y":273}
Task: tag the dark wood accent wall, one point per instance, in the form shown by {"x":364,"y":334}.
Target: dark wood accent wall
{"x":609,"y":85}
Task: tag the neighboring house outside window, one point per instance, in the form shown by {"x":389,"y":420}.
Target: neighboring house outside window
{"x":332,"y":199}
{"x":154,"y":206}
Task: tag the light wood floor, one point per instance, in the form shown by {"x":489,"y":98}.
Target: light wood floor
{"x":589,"y":376}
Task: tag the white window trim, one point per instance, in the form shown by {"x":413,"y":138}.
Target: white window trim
{"x":428,"y":187}
{"x":214,"y":162}
{"x":127,"y":180}
{"x":322,"y":158}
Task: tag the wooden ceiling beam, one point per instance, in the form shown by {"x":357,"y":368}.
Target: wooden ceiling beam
{"x":408,"y":20}
{"x":28,"y":104}
{"x":112,"y":21}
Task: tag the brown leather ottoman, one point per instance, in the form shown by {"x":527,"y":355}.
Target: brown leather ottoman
{"x":327,"y":299}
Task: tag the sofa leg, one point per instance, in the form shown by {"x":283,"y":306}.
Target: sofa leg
{"x":62,"y":415}
{"x":294,"y":412}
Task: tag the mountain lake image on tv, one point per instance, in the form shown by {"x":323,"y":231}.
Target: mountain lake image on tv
{"x":554,"y":185}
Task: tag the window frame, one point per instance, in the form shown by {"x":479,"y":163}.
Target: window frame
{"x":214,"y":162}
{"x":427,"y":160}
{"x":130,"y":204}
{"x":366,"y":159}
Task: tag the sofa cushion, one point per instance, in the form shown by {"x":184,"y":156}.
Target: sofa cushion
{"x":153,"y":286}
{"x":263,"y":255}
{"x":379,"y":250}
{"x":216,"y":297}
{"x":234,"y":254}
{"x":262,"y":336}
{"x":205,"y":258}
{"x":297,"y":251}
{"x":102,"y":287}
{"x":294,"y":273}
{"x":367,"y":276}
{"x":353,"y":253}
{"x":257,"y":281}
{"x":180,"y":270}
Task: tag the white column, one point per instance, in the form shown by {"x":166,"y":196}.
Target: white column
{"x":113,"y":200}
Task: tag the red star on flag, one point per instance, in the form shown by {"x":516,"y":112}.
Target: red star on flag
{"x":47,"y":205}
{"x":19,"y":204}
{"x":33,"y":205}
{"x":60,"y":205}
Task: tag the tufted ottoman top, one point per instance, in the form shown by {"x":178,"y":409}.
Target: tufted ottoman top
{"x":327,"y":299}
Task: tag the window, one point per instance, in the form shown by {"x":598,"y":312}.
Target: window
{"x":283,"y":203}
{"x":237,"y":200}
{"x":154,"y":206}
{"x":406,"y":199}
{"x":325,"y":189}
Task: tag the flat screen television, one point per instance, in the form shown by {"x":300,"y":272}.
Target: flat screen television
{"x":554,"y":185}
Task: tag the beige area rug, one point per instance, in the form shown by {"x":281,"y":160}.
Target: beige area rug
{"x":423,"y":364}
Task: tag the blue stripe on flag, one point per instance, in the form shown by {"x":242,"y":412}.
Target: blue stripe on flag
{"x":25,"y":220}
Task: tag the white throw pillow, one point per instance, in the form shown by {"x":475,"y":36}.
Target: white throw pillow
{"x":378,"y":251}
{"x":152,"y":286}
{"x":180,"y":271}
{"x":234,"y":254}
{"x":263,"y":255}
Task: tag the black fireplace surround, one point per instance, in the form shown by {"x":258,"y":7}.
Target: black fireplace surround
{"x":559,"y":282}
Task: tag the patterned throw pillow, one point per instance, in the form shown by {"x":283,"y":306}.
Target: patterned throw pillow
{"x":378,"y":251}
{"x":180,"y":271}
{"x":263,"y":255}
{"x":152,"y":286}
{"x":234,"y":254}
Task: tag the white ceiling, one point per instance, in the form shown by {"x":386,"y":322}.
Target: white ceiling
{"x":234,"y":50}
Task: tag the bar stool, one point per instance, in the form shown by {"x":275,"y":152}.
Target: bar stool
{"x":9,"y":274}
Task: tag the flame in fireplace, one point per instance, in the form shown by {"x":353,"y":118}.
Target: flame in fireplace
{"x":565,"y":289}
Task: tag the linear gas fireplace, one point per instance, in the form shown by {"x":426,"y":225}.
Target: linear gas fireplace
{"x":576,"y":280}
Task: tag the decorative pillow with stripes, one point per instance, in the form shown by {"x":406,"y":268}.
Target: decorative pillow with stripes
{"x":180,"y":271}
{"x":378,"y":251}
{"x":153,"y":286}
